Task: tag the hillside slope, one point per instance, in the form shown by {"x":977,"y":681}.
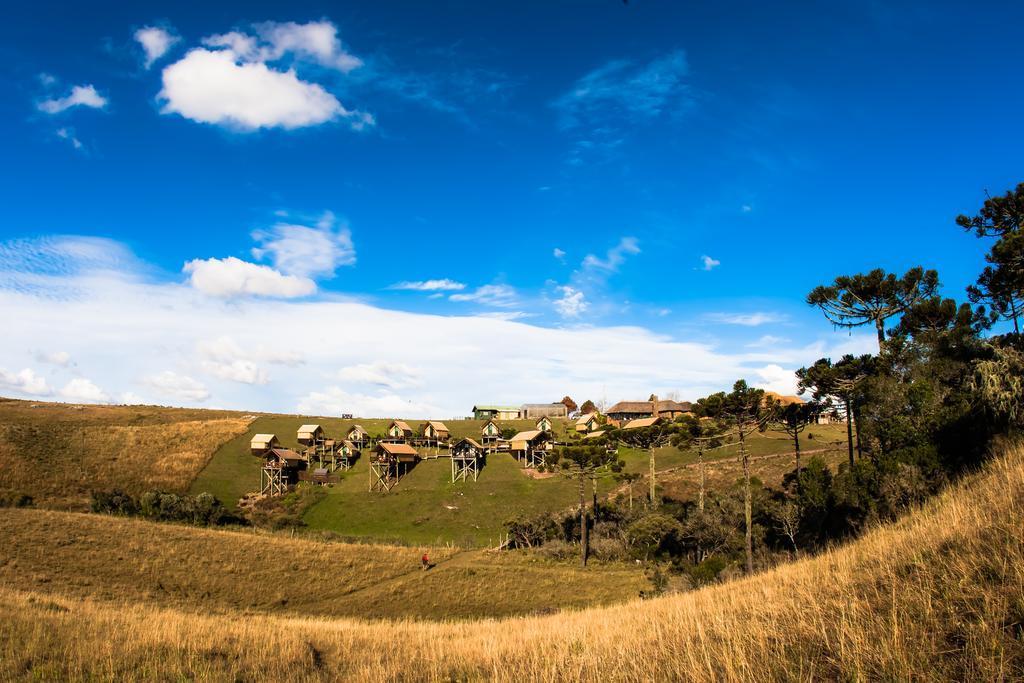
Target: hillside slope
{"x":937,"y":596}
{"x":59,"y":453}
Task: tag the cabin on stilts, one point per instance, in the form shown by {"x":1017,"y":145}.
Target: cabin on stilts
{"x":319,"y":448}
{"x":490,"y":435}
{"x":529,"y":448}
{"x":358,"y":436}
{"x":467,"y":455}
{"x":261,"y":443}
{"x":389,"y":463}
{"x":434,"y":434}
{"x":281,"y":470}
{"x":398,"y":432}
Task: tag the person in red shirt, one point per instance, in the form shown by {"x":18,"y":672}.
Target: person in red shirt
{"x":425,"y":562}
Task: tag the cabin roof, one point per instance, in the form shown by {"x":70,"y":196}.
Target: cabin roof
{"x":528,"y":435}
{"x":358,"y":429}
{"x":287,"y":454}
{"x":472,"y":442}
{"x":642,"y":422}
{"x":397,"y":448}
{"x":401,"y":425}
{"x":597,"y":434}
{"x":439,"y":426}
{"x":308,"y":428}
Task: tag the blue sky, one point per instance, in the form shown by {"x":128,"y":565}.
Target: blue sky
{"x":548,"y":180}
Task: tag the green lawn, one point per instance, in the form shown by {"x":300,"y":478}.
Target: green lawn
{"x":425,"y":507}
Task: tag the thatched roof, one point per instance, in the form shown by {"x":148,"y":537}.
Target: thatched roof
{"x":647,"y":407}
{"x":642,"y":422}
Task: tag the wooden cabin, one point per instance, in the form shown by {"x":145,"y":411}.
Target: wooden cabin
{"x":281,"y":469}
{"x":544,"y":424}
{"x":358,"y":437}
{"x":466,"y":456}
{"x":493,"y":412}
{"x":389,"y":464}
{"x":490,"y":436}
{"x":587,"y":423}
{"x":529,"y":447}
{"x":530,"y":411}
{"x":310,"y":435}
{"x":261,"y":443}
{"x":434,"y":432}
{"x":643,"y":422}
{"x":399,"y":432}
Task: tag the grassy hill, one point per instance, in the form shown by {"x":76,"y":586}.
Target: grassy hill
{"x":60,"y":453}
{"x":111,"y":558}
{"x":936,"y":596}
{"x":427,"y":508}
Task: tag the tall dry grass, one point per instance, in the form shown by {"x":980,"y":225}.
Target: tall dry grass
{"x":59,"y":463}
{"x":937,"y":596}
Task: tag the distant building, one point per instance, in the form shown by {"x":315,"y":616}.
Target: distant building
{"x":492,"y":412}
{"x":634,"y":410}
{"x":533,"y":411}
{"x":587,"y":423}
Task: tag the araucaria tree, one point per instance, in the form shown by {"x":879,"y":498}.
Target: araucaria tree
{"x":1001,"y":284}
{"x":584,"y":463}
{"x":793,"y":418}
{"x":841,"y":381}
{"x":748,"y":410}
{"x":871,"y":299}
{"x":701,"y":430}
{"x":646,"y":439}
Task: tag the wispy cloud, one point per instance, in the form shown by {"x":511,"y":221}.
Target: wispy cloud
{"x":747,"y":319}
{"x":500,"y":296}
{"x":440,"y":285}
{"x":315,"y":251}
{"x":603,"y":105}
{"x":80,"y":96}
{"x":614,"y":257}
{"x":708,"y":263}
{"x":572,"y":303}
{"x":155,"y":42}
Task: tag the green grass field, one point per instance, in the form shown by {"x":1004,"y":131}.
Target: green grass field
{"x":425,"y":507}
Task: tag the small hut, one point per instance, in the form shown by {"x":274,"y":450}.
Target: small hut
{"x":587,"y":423}
{"x":261,"y":443}
{"x":310,"y":435}
{"x":399,"y":432}
{"x":530,"y":447}
{"x":490,"y":435}
{"x":544,"y":424}
{"x":358,"y":436}
{"x":434,"y":433}
{"x":466,"y":457}
{"x":281,"y":469}
{"x":389,"y":463}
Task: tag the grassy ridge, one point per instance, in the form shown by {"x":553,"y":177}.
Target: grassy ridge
{"x":59,"y":454}
{"x":937,"y":596}
{"x":228,"y":571}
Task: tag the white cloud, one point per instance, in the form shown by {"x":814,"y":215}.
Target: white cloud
{"x":238,"y":370}
{"x":155,"y":42}
{"x":84,"y":391}
{"x":558,"y":254}
{"x":236,"y":81}
{"x":335,"y":401}
{"x":24,"y":382}
{"x":776,"y":378}
{"x":304,"y":251}
{"x":746,"y":208}
{"x":747,"y":319}
{"x":572,"y":304}
{"x":708,"y":263}
{"x":231,"y":277}
{"x":767,"y":340}
{"x":224,"y":358}
{"x":130,"y":398}
{"x":69,"y":135}
{"x":614,"y":258}
{"x":122,"y":326}
{"x":214,"y":87}
{"x":80,"y":96}
{"x":58,"y":358}
{"x":390,"y":375}
{"x":180,"y":387}
{"x":443,"y":285}
{"x":501,"y":296}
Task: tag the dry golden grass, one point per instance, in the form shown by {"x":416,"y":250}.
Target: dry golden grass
{"x":112,"y":558}
{"x":59,"y":454}
{"x":937,"y":596}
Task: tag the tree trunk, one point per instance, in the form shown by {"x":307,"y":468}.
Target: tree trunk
{"x":654,"y":494}
{"x":583,"y":524}
{"x":703,"y":480}
{"x":796,"y":444}
{"x":1015,"y":314}
{"x":593,"y":482}
{"x":849,"y":430}
{"x":880,"y":326}
{"x":747,"y":505}
{"x":856,"y":431}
